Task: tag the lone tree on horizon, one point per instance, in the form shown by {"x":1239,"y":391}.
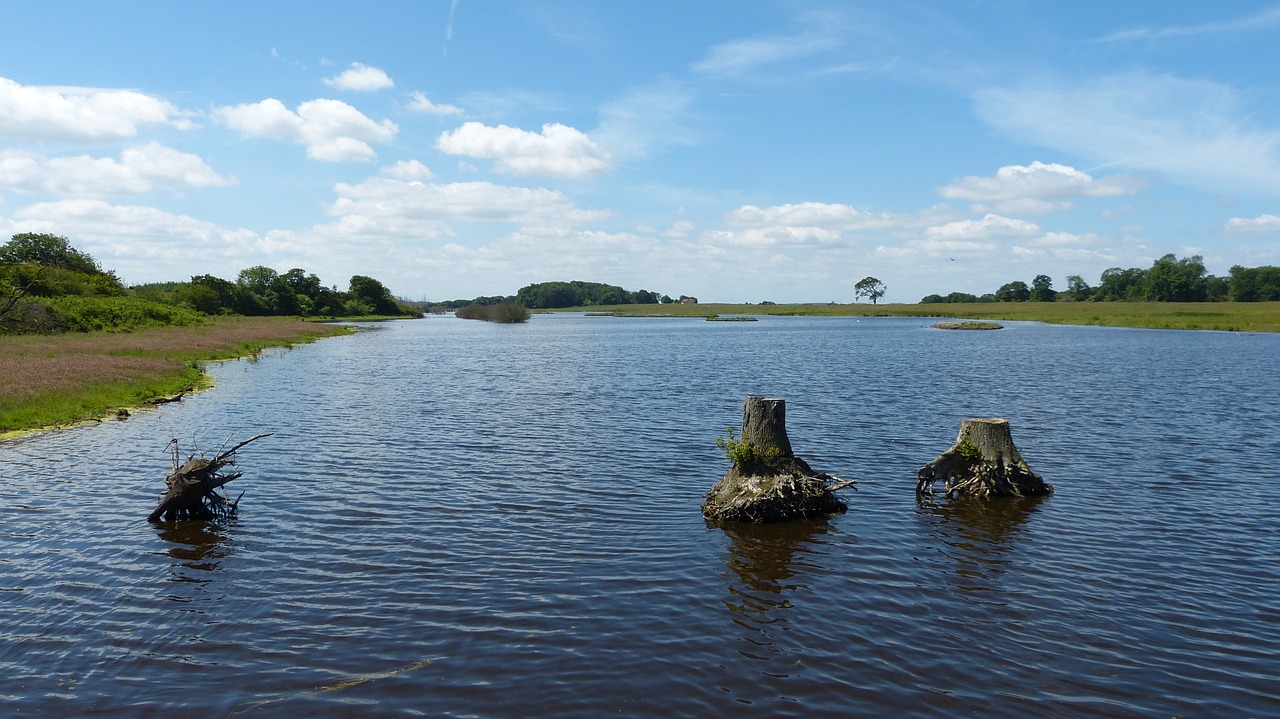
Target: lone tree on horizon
{"x":870,"y":288}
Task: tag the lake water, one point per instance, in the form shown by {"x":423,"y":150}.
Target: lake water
{"x":455,"y":518}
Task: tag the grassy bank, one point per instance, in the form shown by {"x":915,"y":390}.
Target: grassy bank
{"x":60,"y":379}
{"x":1229,"y":316}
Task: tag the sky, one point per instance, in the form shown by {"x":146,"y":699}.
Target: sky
{"x":729,"y":150}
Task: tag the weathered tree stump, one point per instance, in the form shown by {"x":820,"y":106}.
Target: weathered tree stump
{"x":192,"y":487}
{"x":983,"y":462}
{"x":767,"y":482}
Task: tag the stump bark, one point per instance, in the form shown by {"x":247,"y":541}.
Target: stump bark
{"x":983,"y":462}
{"x":767,"y":482}
{"x":192,"y":488}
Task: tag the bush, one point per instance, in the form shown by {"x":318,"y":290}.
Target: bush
{"x":116,"y":314}
{"x":505,"y":312}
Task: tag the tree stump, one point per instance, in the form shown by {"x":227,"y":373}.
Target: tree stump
{"x":767,"y":482}
{"x":191,"y":492}
{"x":983,"y":462}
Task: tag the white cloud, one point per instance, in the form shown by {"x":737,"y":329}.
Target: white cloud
{"x":391,"y":202}
{"x":75,"y":114}
{"x":559,"y":151}
{"x":140,"y":169}
{"x":143,"y":244}
{"x":1038,"y":187}
{"x":832,"y":216}
{"x":1193,"y":131}
{"x":360,"y":78}
{"x":409,"y":171}
{"x":988,"y":228}
{"x":332,"y":130}
{"x":1261,"y":223}
{"x":418,"y":102}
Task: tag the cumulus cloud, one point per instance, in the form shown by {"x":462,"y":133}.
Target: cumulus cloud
{"x":140,"y":169}
{"x":75,"y":114}
{"x":332,"y":130}
{"x":360,"y":78}
{"x":1193,"y":131}
{"x":418,"y":102}
{"x":558,"y":151}
{"x":1038,"y":187}
{"x":1261,"y":223}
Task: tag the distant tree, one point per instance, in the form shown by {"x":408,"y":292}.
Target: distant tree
{"x":1016,"y":291}
{"x":1173,"y":280}
{"x":869,"y":287}
{"x":1078,"y":289}
{"x":1042,"y":289}
{"x":1117,"y":284}
{"x":931,"y":299}
{"x":1254,"y":284}
{"x":372,"y":293}
{"x":49,"y":251}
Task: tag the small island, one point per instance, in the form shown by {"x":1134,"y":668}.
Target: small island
{"x":968,"y":325}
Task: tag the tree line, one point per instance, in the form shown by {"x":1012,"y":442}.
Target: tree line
{"x":48,"y":285}
{"x":1169,"y":279}
{"x":551,"y":295}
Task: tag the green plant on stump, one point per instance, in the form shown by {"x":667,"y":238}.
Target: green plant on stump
{"x":742,"y":453}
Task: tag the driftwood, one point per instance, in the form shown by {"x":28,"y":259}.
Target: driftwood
{"x":192,"y":488}
{"x":983,"y":462}
{"x":767,"y":482}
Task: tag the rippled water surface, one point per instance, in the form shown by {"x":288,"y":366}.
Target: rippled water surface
{"x":455,"y":518}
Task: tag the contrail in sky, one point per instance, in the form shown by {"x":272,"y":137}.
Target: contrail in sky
{"x":448,"y":28}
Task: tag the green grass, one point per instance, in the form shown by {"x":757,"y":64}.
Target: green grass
{"x":60,"y":379}
{"x":1228,"y":316}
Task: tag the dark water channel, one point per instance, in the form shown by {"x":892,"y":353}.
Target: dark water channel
{"x":456,"y":518}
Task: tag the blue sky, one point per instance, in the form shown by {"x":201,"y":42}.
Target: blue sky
{"x":733,"y":151}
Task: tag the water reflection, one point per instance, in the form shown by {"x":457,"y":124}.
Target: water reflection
{"x":977,"y":534}
{"x":762,"y":561}
{"x":197,"y":548}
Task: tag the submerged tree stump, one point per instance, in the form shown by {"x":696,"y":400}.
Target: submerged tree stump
{"x":767,"y":482}
{"x":192,"y":488}
{"x":983,"y":462}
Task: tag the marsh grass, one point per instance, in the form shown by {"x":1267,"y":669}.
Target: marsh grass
{"x":48,"y":380}
{"x":1226,"y":316}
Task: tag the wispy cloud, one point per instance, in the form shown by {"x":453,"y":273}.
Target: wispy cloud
{"x":1193,"y":131}
{"x":1263,"y":20}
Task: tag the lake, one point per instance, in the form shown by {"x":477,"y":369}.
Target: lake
{"x":456,"y":518}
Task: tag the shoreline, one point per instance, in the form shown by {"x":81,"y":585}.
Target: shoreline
{"x":50,"y":382}
{"x":1221,"y":316}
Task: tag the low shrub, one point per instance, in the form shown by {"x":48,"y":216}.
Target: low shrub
{"x":116,"y":314}
{"x":506,"y":312}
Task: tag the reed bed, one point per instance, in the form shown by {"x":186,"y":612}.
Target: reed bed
{"x":59,"y":379}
